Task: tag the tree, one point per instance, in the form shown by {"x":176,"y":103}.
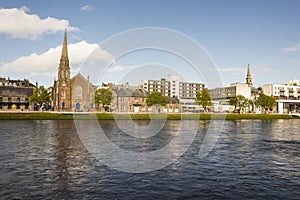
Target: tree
{"x":265,"y":101}
{"x":156,"y":98}
{"x":239,"y":102}
{"x":103,"y":96}
{"x":203,"y":98}
{"x":40,"y":95}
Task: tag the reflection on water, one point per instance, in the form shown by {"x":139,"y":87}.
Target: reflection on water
{"x":252,"y":159}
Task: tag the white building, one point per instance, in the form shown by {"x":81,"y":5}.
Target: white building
{"x":221,"y":96}
{"x":287,"y":95}
{"x":188,"y":94}
{"x":172,"y":87}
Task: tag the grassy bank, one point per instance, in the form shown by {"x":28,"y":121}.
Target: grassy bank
{"x":107,"y":116}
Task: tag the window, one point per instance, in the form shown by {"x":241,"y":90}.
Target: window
{"x":0,"y":99}
{"x":62,"y":94}
{"x":122,"y":99}
{"x":129,"y":99}
{"x":9,"y":99}
{"x":78,"y":92}
{"x":18,"y":100}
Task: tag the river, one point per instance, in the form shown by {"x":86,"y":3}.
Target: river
{"x":252,"y":159}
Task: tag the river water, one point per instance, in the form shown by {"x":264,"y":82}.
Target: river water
{"x":252,"y":159}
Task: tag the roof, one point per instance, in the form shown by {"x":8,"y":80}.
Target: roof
{"x":123,"y":92}
{"x":16,"y":91}
{"x":127,"y":92}
{"x":140,"y":93}
{"x":15,"y":83}
{"x":76,"y":79}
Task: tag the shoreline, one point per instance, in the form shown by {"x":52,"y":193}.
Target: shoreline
{"x":34,"y":115}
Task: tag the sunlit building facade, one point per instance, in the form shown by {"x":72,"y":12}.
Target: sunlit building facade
{"x":287,"y":96}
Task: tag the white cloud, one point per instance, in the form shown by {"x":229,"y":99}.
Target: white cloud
{"x":87,"y":8}
{"x":232,"y":70}
{"x":117,"y":68}
{"x":292,"y":60}
{"x":264,"y":68}
{"x":20,"y":24}
{"x":290,"y":49}
{"x":45,"y":74}
{"x":48,"y":61}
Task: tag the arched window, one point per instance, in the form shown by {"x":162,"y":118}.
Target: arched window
{"x":78,"y":92}
{"x":63,"y":94}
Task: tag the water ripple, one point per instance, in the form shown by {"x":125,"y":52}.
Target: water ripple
{"x":253,"y":159}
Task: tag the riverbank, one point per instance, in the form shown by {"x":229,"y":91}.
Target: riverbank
{"x":111,"y":116}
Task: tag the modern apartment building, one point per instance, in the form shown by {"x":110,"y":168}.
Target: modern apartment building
{"x":188,"y":94}
{"x":169,"y":87}
{"x":172,"y":87}
{"x":287,"y":95}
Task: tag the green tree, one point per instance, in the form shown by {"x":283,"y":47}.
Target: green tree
{"x":265,"y":101}
{"x":203,"y":98}
{"x":233,"y":102}
{"x":156,"y":98}
{"x":239,"y":102}
{"x":103,"y":97}
{"x":40,"y":95}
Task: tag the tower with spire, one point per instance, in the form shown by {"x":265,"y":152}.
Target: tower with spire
{"x":63,"y":80}
{"x":248,"y":77}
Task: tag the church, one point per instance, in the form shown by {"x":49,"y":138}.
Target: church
{"x":71,"y":94}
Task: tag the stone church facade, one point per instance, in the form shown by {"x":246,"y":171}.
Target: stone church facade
{"x":71,"y":94}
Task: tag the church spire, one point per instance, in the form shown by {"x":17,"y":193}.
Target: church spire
{"x":64,"y":53}
{"x":248,"y":77}
{"x":64,"y":69}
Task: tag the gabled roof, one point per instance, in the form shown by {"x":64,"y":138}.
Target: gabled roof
{"x":123,"y":92}
{"x":78,"y":75}
{"x":140,"y":93}
{"x":127,"y":92}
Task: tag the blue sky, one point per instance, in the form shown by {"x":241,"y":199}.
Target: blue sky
{"x":262,"y":33}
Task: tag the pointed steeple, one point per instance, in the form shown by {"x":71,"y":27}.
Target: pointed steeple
{"x":64,"y":69}
{"x":63,"y":83}
{"x":248,"y":71}
{"x":64,"y":53}
{"x":248,"y":77}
